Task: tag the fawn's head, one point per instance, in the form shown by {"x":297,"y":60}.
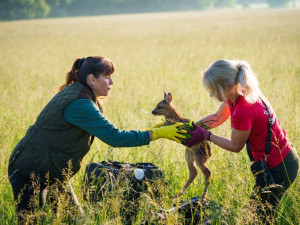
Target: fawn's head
{"x":164,"y":107}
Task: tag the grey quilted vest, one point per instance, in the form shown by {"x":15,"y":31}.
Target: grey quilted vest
{"x":52,"y":145}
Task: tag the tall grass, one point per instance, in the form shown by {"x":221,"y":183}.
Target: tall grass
{"x":153,"y":53}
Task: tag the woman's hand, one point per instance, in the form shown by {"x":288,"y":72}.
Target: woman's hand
{"x":198,"y":135}
{"x":169,"y":132}
{"x":158,"y":125}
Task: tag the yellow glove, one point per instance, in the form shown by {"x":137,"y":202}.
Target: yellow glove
{"x":170,"y":132}
{"x":158,"y":125}
{"x":155,"y":126}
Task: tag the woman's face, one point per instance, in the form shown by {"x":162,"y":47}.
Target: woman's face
{"x":217,"y":95}
{"x":229,"y":94}
{"x":101,"y":85}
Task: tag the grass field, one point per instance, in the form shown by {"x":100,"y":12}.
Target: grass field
{"x":152,"y":53}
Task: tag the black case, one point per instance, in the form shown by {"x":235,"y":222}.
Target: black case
{"x":262,"y":174}
{"x":104,"y":177}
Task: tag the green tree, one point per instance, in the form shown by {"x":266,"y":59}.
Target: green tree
{"x":23,"y":9}
{"x":59,"y":7}
{"x":206,"y":4}
{"x":225,"y":3}
{"x":277,"y":3}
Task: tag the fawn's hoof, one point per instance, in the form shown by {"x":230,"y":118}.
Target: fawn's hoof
{"x":177,"y":196}
{"x":203,"y":200}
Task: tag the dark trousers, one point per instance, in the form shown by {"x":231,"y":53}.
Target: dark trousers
{"x":268,"y":199}
{"x":31,"y":194}
{"x":23,"y":189}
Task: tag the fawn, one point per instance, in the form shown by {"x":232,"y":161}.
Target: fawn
{"x":198,"y":154}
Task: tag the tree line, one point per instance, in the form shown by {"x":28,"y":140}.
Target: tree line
{"x":30,"y":9}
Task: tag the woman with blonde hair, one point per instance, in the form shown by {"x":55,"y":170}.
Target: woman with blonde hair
{"x":255,"y":125}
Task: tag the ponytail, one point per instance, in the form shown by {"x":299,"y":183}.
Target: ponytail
{"x":72,"y":76}
{"x":248,"y":85}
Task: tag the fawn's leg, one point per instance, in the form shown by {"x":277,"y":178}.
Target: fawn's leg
{"x":207,"y":175}
{"x":190,"y":160}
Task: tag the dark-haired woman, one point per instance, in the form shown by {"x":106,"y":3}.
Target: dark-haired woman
{"x":55,"y":144}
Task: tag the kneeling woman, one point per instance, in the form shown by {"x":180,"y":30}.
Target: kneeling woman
{"x":65,"y":129}
{"x":234,"y":84}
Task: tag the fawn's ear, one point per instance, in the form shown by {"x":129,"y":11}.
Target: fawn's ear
{"x":165,"y":95}
{"x":168,"y":97}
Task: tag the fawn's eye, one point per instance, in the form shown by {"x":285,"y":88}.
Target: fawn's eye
{"x":159,"y":107}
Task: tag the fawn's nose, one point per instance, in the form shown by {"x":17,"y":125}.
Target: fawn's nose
{"x":153,"y":112}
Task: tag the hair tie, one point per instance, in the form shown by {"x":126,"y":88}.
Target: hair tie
{"x":80,"y":62}
{"x":239,"y":67}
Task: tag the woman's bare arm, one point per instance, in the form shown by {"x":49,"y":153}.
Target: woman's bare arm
{"x":217,"y":118}
{"x":235,"y":144}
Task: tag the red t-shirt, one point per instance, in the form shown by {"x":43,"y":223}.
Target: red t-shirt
{"x":254,"y":117}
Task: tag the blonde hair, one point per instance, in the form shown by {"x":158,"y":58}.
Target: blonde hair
{"x":224,"y":74}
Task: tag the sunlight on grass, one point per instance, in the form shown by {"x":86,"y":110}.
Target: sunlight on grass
{"x":153,"y":53}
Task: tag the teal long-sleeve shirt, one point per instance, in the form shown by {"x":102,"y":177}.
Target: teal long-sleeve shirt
{"x":86,"y":115}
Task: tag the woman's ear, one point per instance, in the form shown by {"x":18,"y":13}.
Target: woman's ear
{"x":91,"y":80}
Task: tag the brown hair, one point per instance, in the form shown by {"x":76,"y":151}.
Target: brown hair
{"x":96,"y":65}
